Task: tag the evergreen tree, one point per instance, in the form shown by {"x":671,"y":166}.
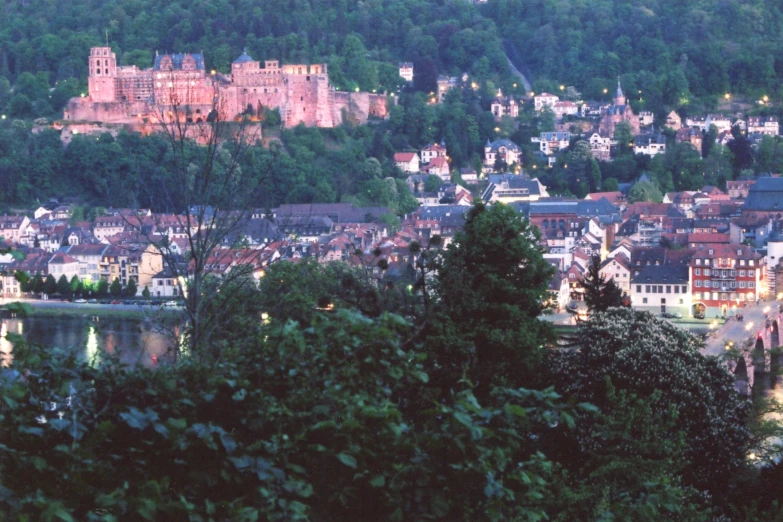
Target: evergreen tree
{"x":103,"y":288}
{"x":36,"y":284}
{"x":50,"y":285}
{"x":63,"y":286}
{"x":131,"y":289}
{"x":492,"y":282}
{"x":600,"y":294}
{"x":116,"y":288}
{"x":146,"y":292}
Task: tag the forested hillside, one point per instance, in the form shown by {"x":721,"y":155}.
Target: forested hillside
{"x":361,"y":41}
{"x":670,"y":49}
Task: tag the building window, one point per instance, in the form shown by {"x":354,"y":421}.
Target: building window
{"x":697,"y":295}
{"x":647,"y":288}
{"x":697,"y":271}
{"x":733,"y":273}
{"x":742,"y":262}
{"x":644,"y":300}
{"x":681,"y":302}
{"x":751,"y":273}
{"x":706,"y":271}
{"x":676,"y":289}
{"x":742,"y":284}
{"x":751,"y":262}
{"x":639,"y":288}
{"x":751,"y":284}
{"x":742,"y":273}
{"x":698,"y":283}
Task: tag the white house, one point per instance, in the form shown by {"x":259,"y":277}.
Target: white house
{"x":760,"y":125}
{"x":618,"y":269}
{"x":723,"y":123}
{"x":551,"y":142}
{"x":544,"y":100}
{"x":407,"y":161}
{"x":504,"y":150}
{"x":663,"y":288}
{"x":565,"y":108}
{"x":406,"y":71}
{"x":649,"y":144}
{"x":646,"y":118}
{"x":601,"y":146}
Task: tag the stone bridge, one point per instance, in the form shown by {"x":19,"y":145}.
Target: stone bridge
{"x":747,"y":345}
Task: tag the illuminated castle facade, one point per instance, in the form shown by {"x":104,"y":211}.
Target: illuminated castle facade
{"x":129,"y":95}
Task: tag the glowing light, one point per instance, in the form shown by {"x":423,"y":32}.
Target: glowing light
{"x":562,"y":87}
{"x":91,"y":347}
{"x":265,"y":318}
{"x":606,"y":90}
{"x":3,"y":116}
{"x":727,"y":96}
{"x":766,"y":309}
{"x":213,"y":72}
{"x":515,"y":85}
{"x":357,"y":89}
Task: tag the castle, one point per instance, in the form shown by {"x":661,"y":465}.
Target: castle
{"x":136,"y":97}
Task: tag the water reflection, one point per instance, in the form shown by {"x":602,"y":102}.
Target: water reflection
{"x":134,"y":341}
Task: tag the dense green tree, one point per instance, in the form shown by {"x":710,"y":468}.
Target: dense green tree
{"x":102,"y":288}
{"x":64,"y":286}
{"x":640,"y":354}
{"x":76,"y":286}
{"x":644,"y":191}
{"x":146,"y":292}
{"x":491,"y":285}
{"x":50,"y":285}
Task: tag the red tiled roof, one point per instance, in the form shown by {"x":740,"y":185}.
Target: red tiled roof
{"x":404,"y":156}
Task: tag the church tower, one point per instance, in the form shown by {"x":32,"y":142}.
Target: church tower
{"x":619,"y":97}
{"x":103,"y":74}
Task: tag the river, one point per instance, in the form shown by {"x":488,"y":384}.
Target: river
{"x":135,"y":341}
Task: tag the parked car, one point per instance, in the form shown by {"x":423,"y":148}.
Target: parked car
{"x":80,"y":301}
{"x":92,"y":301}
{"x":116,"y":301}
{"x":699,"y":315}
{"x":170,"y":303}
{"x":670,"y":315}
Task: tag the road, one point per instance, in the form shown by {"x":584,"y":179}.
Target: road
{"x":87,"y":307}
{"x":517,"y":72}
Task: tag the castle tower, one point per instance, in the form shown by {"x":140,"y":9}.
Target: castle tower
{"x":103,"y":74}
{"x":619,"y":97}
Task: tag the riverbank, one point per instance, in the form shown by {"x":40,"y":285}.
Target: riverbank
{"x":40,"y":308}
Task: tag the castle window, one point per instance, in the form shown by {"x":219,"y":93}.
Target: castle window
{"x":301,"y":98}
{"x":97,"y":71}
{"x":106,"y":71}
{"x":105,"y":62}
{"x":308,"y":78}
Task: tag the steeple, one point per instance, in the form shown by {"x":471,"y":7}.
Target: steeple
{"x":619,"y":97}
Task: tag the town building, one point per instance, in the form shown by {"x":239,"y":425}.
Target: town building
{"x":551,"y":142}
{"x":504,"y":106}
{"x":725,"y":277}
{"x":407,"y":161}
{"x":768,"y":125}
{"x":429,"y":152}
{"x":620,"y":111}
{"x":601,"y":146}
{"x":691,"y":136}
{"x":502,"y":150}
{"x":544,"y":100}
{"x":673,"y":121}
{"x":445,"y":84}
{"x":508,"y":188}
{"x":649,"y":144}
{"x":739,"y":189}
{"x":662,"y":289}
{"x":406,"y":71}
